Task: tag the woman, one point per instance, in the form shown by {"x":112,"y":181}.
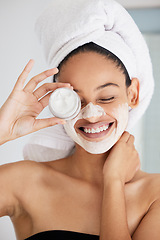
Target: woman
{"x":100,"y":187}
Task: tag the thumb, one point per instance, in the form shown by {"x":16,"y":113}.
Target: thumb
{"x":47,"y":122}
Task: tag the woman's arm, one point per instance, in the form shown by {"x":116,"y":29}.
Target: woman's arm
{"x":12,"y":178}
{"x":18,"y":117}
{"x":114,"y":218}
{"x":7,"y":198}
{"x":15,"y":180}
{"x":24,"y":104}
{"x":119,"y":168}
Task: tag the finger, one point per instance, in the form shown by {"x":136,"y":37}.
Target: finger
{"x":125,"y":136}
{"x":131,"y":140}
{"x":23,"y":76}
{"x":48,"y":122}
{"x":45,"y":88}
{"x":45,"y":100}
{"x":31,"y":85}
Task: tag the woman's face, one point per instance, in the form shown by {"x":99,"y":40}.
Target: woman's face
{"x":104,"y":97}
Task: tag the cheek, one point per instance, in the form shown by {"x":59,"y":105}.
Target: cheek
{"x":121,"y":114}
{"x":108,"y":108}
{"x":120,"y":104}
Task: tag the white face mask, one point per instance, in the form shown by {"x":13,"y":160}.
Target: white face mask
{"x":120,"y":114}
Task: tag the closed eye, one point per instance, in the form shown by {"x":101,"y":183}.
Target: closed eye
{"x":106,"y":100}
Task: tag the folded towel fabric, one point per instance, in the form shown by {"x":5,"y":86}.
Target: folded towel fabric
{"x":67,"y":24}
{"x":48,"y":144}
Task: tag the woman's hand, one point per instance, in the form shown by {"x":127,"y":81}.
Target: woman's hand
{"x":123,"y":160}
{"x":24,"y":104}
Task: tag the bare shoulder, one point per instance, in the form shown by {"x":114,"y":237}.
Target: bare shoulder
{"x":26,"y":169}
{"x":148,"y":227}
{"x":14,"y":178}
{"x":20,"y":168}
{"x":153,"y":180}
{"x":11,"y":182}
{"x":149,"y":184}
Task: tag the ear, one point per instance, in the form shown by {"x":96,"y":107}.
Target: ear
{"x":133,"y":93}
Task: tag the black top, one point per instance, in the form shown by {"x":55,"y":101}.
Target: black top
{"x":62,"y":235}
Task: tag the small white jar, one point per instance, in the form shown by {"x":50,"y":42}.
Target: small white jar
{"x":64,"y":103}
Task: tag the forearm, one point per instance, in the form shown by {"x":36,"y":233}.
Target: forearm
{"x":114,"y":217}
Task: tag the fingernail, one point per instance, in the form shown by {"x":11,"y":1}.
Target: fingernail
{"x":56,"y":70}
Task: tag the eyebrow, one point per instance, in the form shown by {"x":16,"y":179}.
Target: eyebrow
{"x":102,"y":86}
{"x":106,"y":85}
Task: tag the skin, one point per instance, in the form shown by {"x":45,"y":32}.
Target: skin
{"x":75,"y":193}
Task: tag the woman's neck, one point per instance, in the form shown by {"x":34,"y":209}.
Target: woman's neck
{"x":87,"y":166}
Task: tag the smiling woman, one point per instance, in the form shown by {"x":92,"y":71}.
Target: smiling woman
{"x":99,"y":77}
{"x":103,"y":58}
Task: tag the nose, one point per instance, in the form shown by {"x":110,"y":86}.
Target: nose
{"x":92,"y":112}
{"x":93,"y":119}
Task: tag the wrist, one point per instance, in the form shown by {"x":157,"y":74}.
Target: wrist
{"x":3,"y":137}
{"x":3,"y":140}
{"x":3,"y":131}
{"x":113,"y":178}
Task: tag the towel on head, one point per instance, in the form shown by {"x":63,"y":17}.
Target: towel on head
{"x":67,"y":24}
{"x":48,"y":144}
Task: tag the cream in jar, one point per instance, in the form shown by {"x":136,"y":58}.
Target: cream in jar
{"x":64,"y":103}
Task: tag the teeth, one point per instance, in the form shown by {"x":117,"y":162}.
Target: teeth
{"x":105,"y":127}
{"x":97,"y":130}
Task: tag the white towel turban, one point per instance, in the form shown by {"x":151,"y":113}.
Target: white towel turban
{"x":68,"y":24}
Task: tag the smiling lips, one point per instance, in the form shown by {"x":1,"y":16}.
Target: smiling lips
{"x":96,"y":131}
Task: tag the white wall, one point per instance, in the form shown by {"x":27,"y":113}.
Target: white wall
{"x":152,"y":116}
{"x":139,"y":3}
{"x":17,"y":45}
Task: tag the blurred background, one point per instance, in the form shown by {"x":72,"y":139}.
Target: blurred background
{"x":18,"y":44}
